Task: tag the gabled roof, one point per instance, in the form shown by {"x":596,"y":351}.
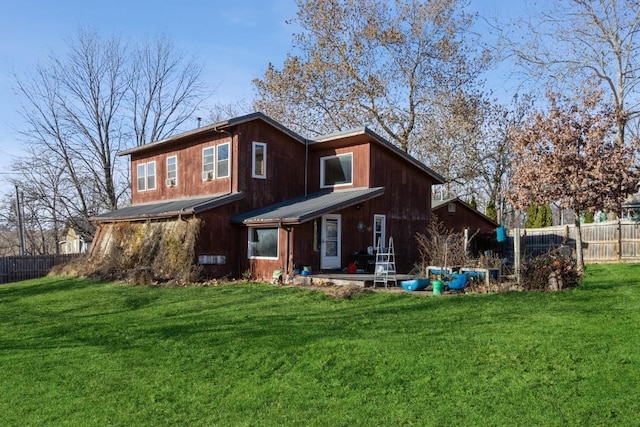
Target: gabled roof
{"x":437,"y":178}
{"x":302,"y":209}
{"x":218,"y":127}
{"x":436,"y":203}
{"x":168,"y":208}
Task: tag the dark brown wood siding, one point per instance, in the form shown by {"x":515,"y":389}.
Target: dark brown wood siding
{"x":285,"y":166}
{"x":218,"y":237}
{"x":189,"y":183}
{"x":359,"y":149}
{"x":406,"y":202}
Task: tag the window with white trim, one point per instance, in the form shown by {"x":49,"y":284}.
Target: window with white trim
{"x":146,"y":176}
{"x":379,"y":230}
{"x":222,"y":169}
{"x":208,"y":162}
{"x":263,"y":243}
{"x":259,"y":160}
{"x":336,"y":170}
{"x":172,"y":171}
{"x":451,"y":207}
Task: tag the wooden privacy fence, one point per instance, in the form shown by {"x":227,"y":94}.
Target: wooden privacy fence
{"x":611,"y":241}
{"x":16,"y":268}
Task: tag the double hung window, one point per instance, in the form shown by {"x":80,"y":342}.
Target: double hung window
{"x":146,"y":176}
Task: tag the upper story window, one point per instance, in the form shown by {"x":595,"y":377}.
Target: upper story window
{"x":336,"y":170}
{"x":259,"y":160}
{"x":146,"y":176}
{"x":208,"y":162}
{"x":452,"y":207}
{"x":222,"y":171}
{"x":172,"y":171}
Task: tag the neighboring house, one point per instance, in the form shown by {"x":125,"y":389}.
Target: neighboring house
{"x":74,"y":242}
{"x":78,"y":236}
{"x":270,"y":199}
{"x":631,"y":208}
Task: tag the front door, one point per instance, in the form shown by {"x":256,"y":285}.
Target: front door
{"x":330,"y":247}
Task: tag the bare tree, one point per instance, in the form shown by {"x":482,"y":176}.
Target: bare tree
{"x":165,"y":90}
{"x":402,"y":68}
{"x":578,"y":39}
{"x":83,"y":107}
{"x":570,"y":155}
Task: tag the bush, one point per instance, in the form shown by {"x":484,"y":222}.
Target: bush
{"x":439,"y":246}
{"x":145,"y":253}
{"x":552,"y":271}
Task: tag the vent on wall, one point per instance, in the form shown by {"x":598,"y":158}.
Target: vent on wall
{"x":212,"y":259}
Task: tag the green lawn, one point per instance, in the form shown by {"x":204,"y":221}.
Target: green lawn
{"x":76,"y":352}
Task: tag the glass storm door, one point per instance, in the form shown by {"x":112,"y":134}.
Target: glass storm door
{"x":330,"y":248}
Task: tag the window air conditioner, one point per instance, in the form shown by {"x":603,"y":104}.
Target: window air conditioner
{"x":207,"y":176}
{"x":170,"y":182}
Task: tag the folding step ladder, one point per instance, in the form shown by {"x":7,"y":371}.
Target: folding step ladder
{"x":385,"y":270}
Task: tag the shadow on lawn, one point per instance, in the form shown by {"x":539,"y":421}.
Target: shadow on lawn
{"x":43,"y":286}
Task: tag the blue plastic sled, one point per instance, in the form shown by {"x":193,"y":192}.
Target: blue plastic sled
{"x":458,"y":281}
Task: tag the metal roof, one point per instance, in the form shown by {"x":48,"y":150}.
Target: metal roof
{"x":438,"y":179}
{"x":436,"y":203}
{"x":168,"y":208}
{"x":218,"y":127}
{"x":303,"y":209}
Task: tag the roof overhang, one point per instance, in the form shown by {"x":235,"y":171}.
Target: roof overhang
{"x":218,"y":127}
{"x":168,"y":208}
{"x":303,"y":209}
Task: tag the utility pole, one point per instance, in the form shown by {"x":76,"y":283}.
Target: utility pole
{"x":20,"y":224}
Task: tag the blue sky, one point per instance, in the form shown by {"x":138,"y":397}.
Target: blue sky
{"x":235,"y":40}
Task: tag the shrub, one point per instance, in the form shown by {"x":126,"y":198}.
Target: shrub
{"x":552,"y":271}
{"x":146,"y":253}
{"x":439,"y":246}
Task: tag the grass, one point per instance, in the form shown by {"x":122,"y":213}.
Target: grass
{"x":75,"y":352}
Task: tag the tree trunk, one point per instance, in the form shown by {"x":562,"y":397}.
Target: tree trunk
{"x":579,"y":259}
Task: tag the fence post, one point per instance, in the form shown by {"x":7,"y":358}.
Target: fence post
{"x":619,"y":240}
{"x":516,"y":253}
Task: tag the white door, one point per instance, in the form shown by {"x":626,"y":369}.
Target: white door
{"x":330,"y":247}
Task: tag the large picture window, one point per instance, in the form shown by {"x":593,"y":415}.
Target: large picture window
{"x":208,"y":162}
{"x":259,"y":162}
{"x":263,"y":243}
{"x":336,"y":170}
{"x":146,"y":178}
{"x":222,"y":170}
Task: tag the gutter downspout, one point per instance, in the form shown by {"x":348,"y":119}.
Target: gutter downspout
{"x":306,"y":166}
{"x":286,"y":262}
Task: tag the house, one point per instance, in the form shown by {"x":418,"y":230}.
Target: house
{"x":270,"y":199}
{"x":74,"y":242}
{"x":78,"y":236}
